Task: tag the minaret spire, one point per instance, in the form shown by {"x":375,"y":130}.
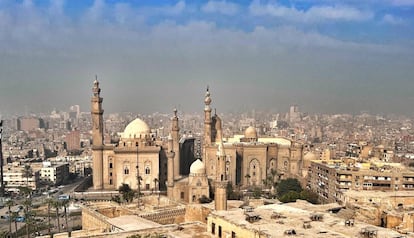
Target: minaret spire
{"x":97,"y":135}
{"x":175,"y":130}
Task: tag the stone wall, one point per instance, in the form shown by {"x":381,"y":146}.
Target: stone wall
{"x":197,"y":212}
{"x":166,"y":216}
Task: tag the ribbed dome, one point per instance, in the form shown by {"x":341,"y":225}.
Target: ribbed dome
{"x":197,"y":167}
{"x":136,"y":129}
{"x":250,"y":133}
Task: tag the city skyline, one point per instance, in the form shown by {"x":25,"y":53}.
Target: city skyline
{"x":326,"y":56}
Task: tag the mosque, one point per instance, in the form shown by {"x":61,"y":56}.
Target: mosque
{"x":145,"y":163}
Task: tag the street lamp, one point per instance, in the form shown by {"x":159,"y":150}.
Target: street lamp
{"x":138,"y":178}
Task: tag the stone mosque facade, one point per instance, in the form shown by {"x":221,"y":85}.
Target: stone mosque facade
{"x":249,"y":158}
{"x":141,"y":159}
{"x":140,"y":156}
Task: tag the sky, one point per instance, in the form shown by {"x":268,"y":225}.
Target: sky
{"x":327,"y":56}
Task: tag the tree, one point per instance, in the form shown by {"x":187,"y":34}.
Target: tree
{"x":247,"y":176}
{"x":126,"y":191}
{"x":274,"y":174}
{"x":65,"y":204}
{"x":49,"y":202}
{"x":9,"y":204}
{"x":27,"y":213}
{"x":13,"y":217}
{"x":290,"y":196}
{"x":27,"y":173}
{"x":56,"y":204}
{"x":309,"y":196}
{"x":287,"y":185}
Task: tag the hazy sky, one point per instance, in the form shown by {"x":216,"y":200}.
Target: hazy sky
{"x":324,"y":55}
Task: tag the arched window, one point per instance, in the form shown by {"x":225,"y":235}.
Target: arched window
{"x":147,"y":170}
{"x":126,"y":170}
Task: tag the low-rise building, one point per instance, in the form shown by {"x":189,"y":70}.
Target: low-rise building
{"x":329,"y":178}
{"x":14,"y":176}
{"x":279,"y":220}
{"x":54,"y":173}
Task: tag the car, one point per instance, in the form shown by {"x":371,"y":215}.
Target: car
{"x":20,"y":219}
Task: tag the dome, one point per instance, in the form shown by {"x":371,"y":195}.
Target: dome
{"x":197,"y":167}
{"x":250,"y":133}
{"x":136,"y":129}
{"x":309,"y":156}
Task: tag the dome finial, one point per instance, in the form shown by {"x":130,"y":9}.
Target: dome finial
{"x":96,"y":90}
{"x":175,"y":112}
{"x":207,"y":99}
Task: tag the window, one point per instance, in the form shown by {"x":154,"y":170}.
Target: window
{"x":110,"y":182}
{"x":182,"y":195}
{"x":110,"y":165}
{"x":147,"y":170}
{"x":110,"y":174}
{"x":194,"y":198}
{"x":126,"y":170}
{"x":213,"y":228}
{"x":147,"y":186}
{"x":233,"y":234}
{"x":219,"y":232}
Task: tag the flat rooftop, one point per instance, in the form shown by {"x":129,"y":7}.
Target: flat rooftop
{"x":289,"y":217}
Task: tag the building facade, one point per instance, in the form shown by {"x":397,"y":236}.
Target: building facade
{"x":249,"y":158}
{"x":330,"y":178}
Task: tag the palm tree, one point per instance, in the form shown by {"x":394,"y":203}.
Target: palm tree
{"x":56,"y":204}
{"x":27,"y":173}
{"x":65,"y":204}
{"x":247,"y":176}
{"x":27,"y":213}
{"x":49,"y":202}
{"x":9,"y":204}
{"x":13,"y":217}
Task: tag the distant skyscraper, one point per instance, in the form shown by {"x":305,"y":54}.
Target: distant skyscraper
{"x":294,"y":114}
{"x":73,"y":141}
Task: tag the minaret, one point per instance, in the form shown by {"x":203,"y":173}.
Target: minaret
{"x":170,"y":167}
{"x":176,"y":146}
{"x":97,"y":136}
{"x":220,"y":196}
{"x":207,"y":122}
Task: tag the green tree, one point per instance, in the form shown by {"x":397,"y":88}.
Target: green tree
{"x":247,"y":176}
{"x":27,"y":173}
{"x":286,"y":185}
{"x":65,"y":204}
{"x":13,"y":217}
{"x":9,"y":204}
{"x":126,"y":192}
{"x":309,"y":196}
{"x":57,"y":204}
{"x":27,"y":214}
{"x":49,"y":202}
{"x":290,"y":196}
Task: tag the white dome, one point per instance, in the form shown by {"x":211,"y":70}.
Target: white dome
{"x":136,"y":129}
{"x":197,"y":167}
{"x":250,"y":133}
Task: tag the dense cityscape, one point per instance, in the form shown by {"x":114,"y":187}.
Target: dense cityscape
{"x":206,"y":119}
{"x":360,"y":166}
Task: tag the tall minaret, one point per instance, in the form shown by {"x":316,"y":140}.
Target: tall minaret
{"x":220,"y":196}
{"x":176,"y":146}
{"x":207,"y":119}
{"x":97,"y":135}
{"x":170,"y":167}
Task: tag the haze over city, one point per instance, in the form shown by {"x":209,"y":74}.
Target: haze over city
{"x":326,"y":56}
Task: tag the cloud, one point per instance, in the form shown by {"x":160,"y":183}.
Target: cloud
{"x":313,"y":14}
{"x":390,"y":19}
{"x":222,"y":7}
{"x":408,"y":3}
